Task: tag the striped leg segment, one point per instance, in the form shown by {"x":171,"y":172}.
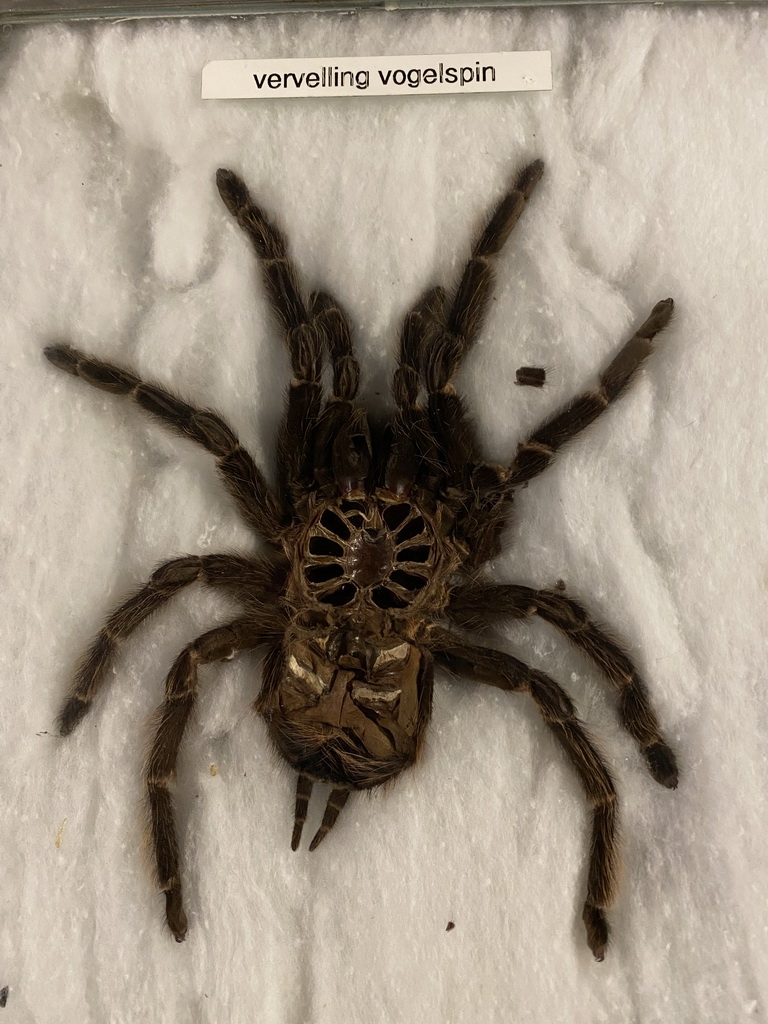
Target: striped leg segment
{"x":333,"y":808}
{"x":172,"y":716}
{"x":249,"y":577}
{"x":240,"y":474}
{"x":477,"y":604}
{"x":303,"y":794}
{"x":460,"y":325}
{"x":535,"y":454}
{"x":302,"y":336}
{"x":558,"y":711}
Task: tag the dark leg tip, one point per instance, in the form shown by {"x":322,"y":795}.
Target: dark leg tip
{"x":174,"y":914}
{"x":63,"y":357}
{"x":295,"y":839}
{"x":660,"y":316}
{"x":224,"y":177}
{"x":662,"y":765}
{"x":597,"y":930}
{"x":319,"y":837}
{"x":232,"y":189}
{"x":530,"y":177}
{"x":71,"y":714}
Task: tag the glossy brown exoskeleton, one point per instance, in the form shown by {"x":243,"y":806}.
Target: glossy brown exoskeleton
{"x":379,"y":538}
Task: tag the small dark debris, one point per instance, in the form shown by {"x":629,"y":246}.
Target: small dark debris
{"x":450,"y":926}
{"x":531,"y":376}
{"x":43,"y":733}
{"x":560,"y":585}
{"x":3,"y":995}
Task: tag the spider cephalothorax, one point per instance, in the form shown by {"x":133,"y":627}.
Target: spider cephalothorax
{"x":379,"y":537}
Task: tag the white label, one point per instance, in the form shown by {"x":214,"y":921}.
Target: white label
{"x":378,"y":76}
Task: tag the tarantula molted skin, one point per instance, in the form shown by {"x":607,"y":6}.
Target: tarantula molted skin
{"x":379,"y":535}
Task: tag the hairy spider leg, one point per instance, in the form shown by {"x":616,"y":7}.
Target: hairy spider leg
{"x":303,"y":793}
{"x":172,"y":716}
{"x":536,"y":453}
{"x":559,"y":713}
{"x":458,"y":327}
{"x":342,"y":440}
{"x":477,"y":605}
{"x":242,"y":477}
{"x":255,"y":583}
{"x":412,"y":454}
{"x":444,"y":332}
{"x":334,"y":329}
{"x":304,"y":434}
{"x":302,"y":337}
{"x":488,"y":518}
{"x":338,"y":797}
